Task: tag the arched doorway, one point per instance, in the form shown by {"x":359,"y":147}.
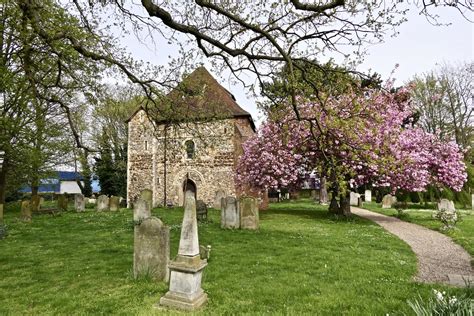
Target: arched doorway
{"x":190,"y":186}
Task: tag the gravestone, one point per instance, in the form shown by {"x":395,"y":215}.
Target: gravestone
{"x":1,"y":213}
{"x":230,"y":217}
{"x":114,"y":202}
{"x":388,"y":200}
{"x":41,"y":201}
{"x":354,"y":197}
{"x":147,"y":195}
{"x":248,"y":209}
{"x":446,"y":205}
{"x":368,"y":196}
{"x":220,"y":194}
{"x":472,"y":202}
{"x":91,"y":201}
{"x":62,"y":202}
{"x":201,"y":210}
{"x":141,"y":210}
{"x":35,"y":203}
{"x":25,"y":214}
{"x":151,"y":248}
{"x":314,"y":194}
{"x":79,"y":203}
{"x":185,"y":290}
{"x":103,"y":203}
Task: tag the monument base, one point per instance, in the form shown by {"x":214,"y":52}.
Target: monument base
{"x":179,"y":301}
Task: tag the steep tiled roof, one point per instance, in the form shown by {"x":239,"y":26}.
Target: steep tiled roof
{"x":200,"y":97}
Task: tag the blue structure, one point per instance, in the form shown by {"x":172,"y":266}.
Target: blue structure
{"x":53,"y":185}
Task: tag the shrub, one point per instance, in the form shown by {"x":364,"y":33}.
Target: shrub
{"x":449,"y":219}
{"x":3,"y":231}
{"x":400,"y":207}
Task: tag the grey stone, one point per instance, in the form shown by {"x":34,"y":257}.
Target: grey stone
{"x":446,"y":205}
{"x":368,"y":196}
{"x":185,"y":290}
{"x":141,"y":210}
{"x":79,"y":203}
{"x":388,"y":200}
{"x":151,"y":249}
{"x":249,"y":217}
{"x":354,"y":197}
{"x":91,"y":201}
{"x":62,"y":202}
{"x":201,"y":210}
{"x":230,"y":216}
{"x":220,"y":194}
{"x":103,"y":203}
{"x":114,"y":203}
{"x":25,"y":214}
{"x":147,"y":195}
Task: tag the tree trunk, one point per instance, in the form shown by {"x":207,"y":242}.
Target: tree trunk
{"x":323,"y":192}
{"x":34,"y":196}
{"x":345,"y":205}
{"x":334,"y":206}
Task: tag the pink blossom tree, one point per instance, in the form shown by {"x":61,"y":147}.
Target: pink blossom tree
{"x":355,"y":138}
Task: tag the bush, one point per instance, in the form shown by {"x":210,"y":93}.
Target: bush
{"x":449,"y":219}
{"x":3,"y":231}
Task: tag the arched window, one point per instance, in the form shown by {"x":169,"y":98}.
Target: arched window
{"x":189,"y":145}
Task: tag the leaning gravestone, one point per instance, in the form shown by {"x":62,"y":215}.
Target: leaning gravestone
{"x":79,"y":203}
{"x":114,"y":203}
{"x":25,"y":214}
{"x":151,"y":249}
{"x":446,"y":205}
{"x":141,"y":210}
{"x":185,"y":290}
{"x":388,"y":200}
{"x":354,"y":197}
{"x":102,"y":203}
{"x":248,"y":209}
{"x":230,"y":213}
{"x":220,"y":194}
{"x":62,"y":202}
{"x":201,"y":210}
{"x":368,"y":196}
{"x":147,"y":195}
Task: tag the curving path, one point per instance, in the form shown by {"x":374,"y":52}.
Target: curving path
{"x":439,"y":258}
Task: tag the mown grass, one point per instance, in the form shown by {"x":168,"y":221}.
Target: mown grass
{"x":301,"y":261}
{"x":463,"y":233}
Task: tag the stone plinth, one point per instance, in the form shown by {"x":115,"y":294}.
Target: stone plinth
{"x":368,"y":196}
{"x":249,"y":218}
{"x":79,"y":203}
{"x":230,"y":217}
{"x":103,"y":203}
{"x":151,"y":248}
{"x":388,"y":200}
{"x":114,"y":203}
{"x":185,"y":290}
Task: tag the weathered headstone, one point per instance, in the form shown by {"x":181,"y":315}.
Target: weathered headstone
{"x":25,"y":214}
{"x":79,"y":203}
{"x":354,"y":197}
{"x":220,"y":194}
{"x":368,"y":196}
{"x":472,"y":202}
{"x":1,"y":213}
{"x":388,"y":200}
{"x":114,"y":203}
{"x":62,"y":202}
{"x":103,"y":203}
{"x":185,"y":290}
{"x":249,"y":218}
{"x":147,"y":195}
{"x":41,"y":201}
{"x":151,"y":248}
{"x":230,"y":217}
{"x":91,"y":201}
{"x":446,"y":205}
{"x":201,"y":210}
{"x":141,"y":210}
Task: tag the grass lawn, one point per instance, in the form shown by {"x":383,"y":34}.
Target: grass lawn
{"x":463,"y":234}
{"x":300,"y":261}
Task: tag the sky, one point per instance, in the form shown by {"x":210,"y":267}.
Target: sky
{"x":419,"y":48}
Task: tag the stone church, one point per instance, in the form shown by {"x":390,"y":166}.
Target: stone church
{"x":195,"y":146}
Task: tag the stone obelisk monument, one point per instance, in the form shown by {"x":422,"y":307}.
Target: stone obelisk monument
{"x":186,"y":270}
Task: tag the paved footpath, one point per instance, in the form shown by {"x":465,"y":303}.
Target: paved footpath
{"x":439,"y":258}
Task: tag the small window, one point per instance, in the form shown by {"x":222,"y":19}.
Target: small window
{"x":189,"y":144}
{"x":146,"y":145}
{"x":225,"y":130}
